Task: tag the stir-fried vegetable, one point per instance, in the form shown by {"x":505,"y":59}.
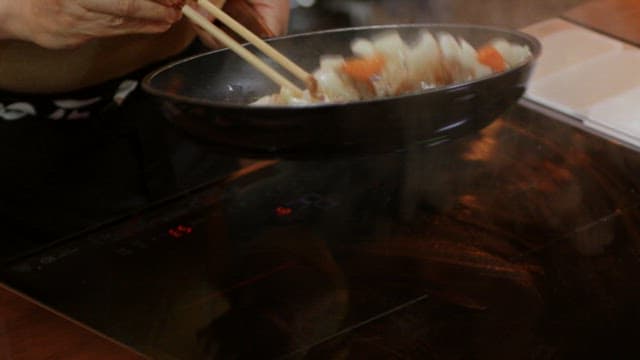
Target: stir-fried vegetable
{"x":387,"y":66}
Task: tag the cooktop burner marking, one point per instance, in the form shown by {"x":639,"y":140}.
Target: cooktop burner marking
{"x":356,"y":326}
{"x":242,"y":284}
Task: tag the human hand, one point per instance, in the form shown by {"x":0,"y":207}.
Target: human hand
{"x":59,"y":24}
{"x":275,"y":14}
{"x":264,"y":17}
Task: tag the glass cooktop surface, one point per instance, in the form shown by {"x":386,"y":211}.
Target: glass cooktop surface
{"x":519,"y":242}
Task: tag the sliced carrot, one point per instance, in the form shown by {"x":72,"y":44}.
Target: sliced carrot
{"x":490,"y":56}
{"x":364,"y":68}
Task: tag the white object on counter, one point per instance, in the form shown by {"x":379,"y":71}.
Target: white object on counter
{"x":588,"y":76}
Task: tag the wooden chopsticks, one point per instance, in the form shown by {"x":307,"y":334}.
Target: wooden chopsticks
{"x":248,"y":56}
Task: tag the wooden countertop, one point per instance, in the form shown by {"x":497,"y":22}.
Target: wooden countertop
{"x":619,"y":18}
{"x":29,"y":330}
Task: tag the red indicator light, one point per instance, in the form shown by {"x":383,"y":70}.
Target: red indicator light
{"x":283,"y":211}
{"x":180,"y":231}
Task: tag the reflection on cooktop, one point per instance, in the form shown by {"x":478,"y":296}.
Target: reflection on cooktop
{"x":519,"y":243}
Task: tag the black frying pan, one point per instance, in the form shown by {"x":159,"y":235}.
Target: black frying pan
{"x":207,"y":95}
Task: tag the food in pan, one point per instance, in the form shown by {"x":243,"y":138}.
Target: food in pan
{"x":387,"y":66}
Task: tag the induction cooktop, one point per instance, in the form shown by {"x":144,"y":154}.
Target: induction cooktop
{"x":519,"y":242}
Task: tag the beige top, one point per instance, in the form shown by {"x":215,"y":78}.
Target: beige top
{"x":25,"y":67}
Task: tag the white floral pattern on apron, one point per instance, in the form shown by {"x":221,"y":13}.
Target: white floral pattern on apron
{"x":65,"y":109}
{"x":16,"y":111}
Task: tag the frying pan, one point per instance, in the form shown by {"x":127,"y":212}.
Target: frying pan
{"x":208,"y":95}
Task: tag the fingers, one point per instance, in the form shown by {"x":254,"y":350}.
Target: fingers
{"x":204,"y":36}
{"x":207,"y":39}
{"x":257,"y":15}
{"x":72,"y":23}
{"x":202,"y":11}
{"x":275,"y":14}
{"x":116,"y":25}
{"x":93,"y":24}
{"x":135,"y":9}
{"x":172,"y":3}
